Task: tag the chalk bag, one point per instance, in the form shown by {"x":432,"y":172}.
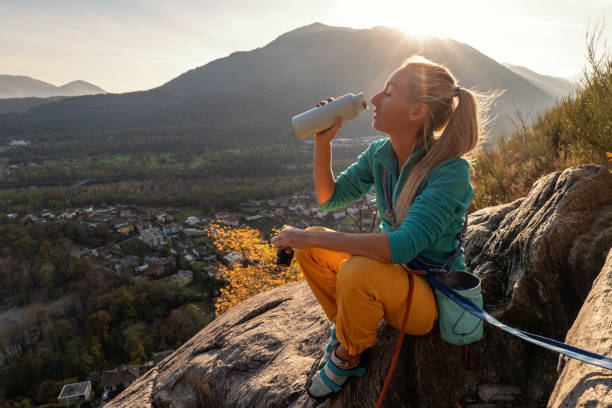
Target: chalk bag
{"x":457,"y":326}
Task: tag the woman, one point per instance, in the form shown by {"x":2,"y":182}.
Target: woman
{"x":358,"y":278}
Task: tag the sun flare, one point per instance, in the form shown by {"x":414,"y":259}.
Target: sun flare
{"x":442,"y":19}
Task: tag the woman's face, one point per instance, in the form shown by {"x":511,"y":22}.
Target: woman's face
{"x":393,"y":113}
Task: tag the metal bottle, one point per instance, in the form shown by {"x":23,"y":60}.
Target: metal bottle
{"x":322,"y":117}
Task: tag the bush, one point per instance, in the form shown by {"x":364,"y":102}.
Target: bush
{"x":576,"y":131}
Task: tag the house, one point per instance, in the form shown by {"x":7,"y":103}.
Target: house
{"x":164,"y":218}
{"x":76,"y":392}
{"x":119,"y":376}
{"x":193,"y":232}
{"x":233,"y":257}
{"x":162,"y":266}
{"x":143,"y":225}
{"x":222,"y":215}
{"x":152,"y":237}
{"x":171,"y":229}
{"x":254,"y":217}
{"x":182,"y":278}
{"x":192,"y":220}
{"x":67,"y":215}
{"x":231,"y":220}
{"x":124,"y":227}
{"x":141,"y":268}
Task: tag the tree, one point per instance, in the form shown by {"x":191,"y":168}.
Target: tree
{"x":255,"y":271}
{"x":46,"y":392}
{"x":97,"y":325}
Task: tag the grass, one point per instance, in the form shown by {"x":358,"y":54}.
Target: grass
{"x":188,"y":212}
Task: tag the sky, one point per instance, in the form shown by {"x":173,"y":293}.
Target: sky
{"x":129,"y":45}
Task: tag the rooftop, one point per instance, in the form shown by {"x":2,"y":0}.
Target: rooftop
{"x":73,"y":390}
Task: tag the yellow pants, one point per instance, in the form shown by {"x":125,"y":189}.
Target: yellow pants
{"x":356,"y":292}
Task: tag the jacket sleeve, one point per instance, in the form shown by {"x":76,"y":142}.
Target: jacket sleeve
{"x":353,"y":183}
{"x":443,"y":198}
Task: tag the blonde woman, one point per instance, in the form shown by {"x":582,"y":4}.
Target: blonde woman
{"x":358,"y":278}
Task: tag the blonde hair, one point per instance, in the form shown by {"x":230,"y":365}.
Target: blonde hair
{"x":454,"y":126}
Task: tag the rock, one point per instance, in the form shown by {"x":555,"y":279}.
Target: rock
{"x":537,"y":256}
{"x":258,"y":354}
{"x":581,"y":384}
{"x":499,"y":392}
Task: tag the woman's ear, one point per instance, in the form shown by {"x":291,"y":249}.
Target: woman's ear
{"x":419,"y":111}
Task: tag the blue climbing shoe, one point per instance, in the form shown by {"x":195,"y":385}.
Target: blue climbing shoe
{"x":329,"y":380}
{"x":330,"y":346}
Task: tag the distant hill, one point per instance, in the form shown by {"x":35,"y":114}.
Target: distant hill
{"x":556,"y":87}
{"x":19,"y":105}
{"x":13,"y":86}
{"x":250,"y":96}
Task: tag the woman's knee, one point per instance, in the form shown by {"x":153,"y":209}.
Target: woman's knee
{"x":357,"y":269}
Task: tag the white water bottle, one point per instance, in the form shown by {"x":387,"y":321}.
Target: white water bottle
{"x":322,"y":117}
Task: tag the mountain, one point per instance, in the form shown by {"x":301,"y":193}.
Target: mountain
{"x":12,"y":86}
{"x":19,"y":105}
{"x":556,"y":87}
{"x":250,"y":96}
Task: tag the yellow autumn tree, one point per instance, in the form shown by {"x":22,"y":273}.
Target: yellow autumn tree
{"x":253,"y":268}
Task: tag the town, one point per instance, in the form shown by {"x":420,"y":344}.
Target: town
{"x":169,"y":234}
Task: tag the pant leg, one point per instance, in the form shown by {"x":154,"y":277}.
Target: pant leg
{"x":320,"y":268}
{"x":368,"y":290}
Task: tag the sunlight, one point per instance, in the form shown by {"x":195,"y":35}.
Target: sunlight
{"x":443,"y":19}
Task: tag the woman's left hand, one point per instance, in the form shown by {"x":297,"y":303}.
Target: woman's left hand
{"x":291,"y":237}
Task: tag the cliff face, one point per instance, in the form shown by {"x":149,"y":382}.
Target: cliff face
{"x":537,"y":256}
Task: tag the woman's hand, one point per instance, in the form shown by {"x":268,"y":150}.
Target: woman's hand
{"x":291,"y":237}
{"x":327,"y":135}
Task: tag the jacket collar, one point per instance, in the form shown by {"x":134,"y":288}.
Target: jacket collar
{"x":386,"y":156}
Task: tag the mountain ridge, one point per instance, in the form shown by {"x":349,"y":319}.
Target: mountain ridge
{"x":22,"y":86}
{"x":555,"y":86}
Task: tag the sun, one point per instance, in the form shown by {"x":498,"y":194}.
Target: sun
{"x":420,"y":18}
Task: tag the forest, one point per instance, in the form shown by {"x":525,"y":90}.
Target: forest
{"x":108,"y":318}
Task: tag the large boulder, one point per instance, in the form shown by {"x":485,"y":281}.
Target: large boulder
{"x":581,"y":385}
{"x":537,"y":256}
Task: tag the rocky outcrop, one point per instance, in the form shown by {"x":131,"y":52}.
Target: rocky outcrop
{"x":580,"y":384}
{"x":537,"y":256}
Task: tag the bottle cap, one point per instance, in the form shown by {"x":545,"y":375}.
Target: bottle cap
{"x":362,"y":100}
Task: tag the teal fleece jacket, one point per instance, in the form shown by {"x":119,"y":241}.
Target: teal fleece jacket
{"x":436,"y":214}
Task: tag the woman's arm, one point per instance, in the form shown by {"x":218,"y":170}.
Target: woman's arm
{"x":374,"y":245}
{"x":325,"y":183}
{"x":324,"y":180}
